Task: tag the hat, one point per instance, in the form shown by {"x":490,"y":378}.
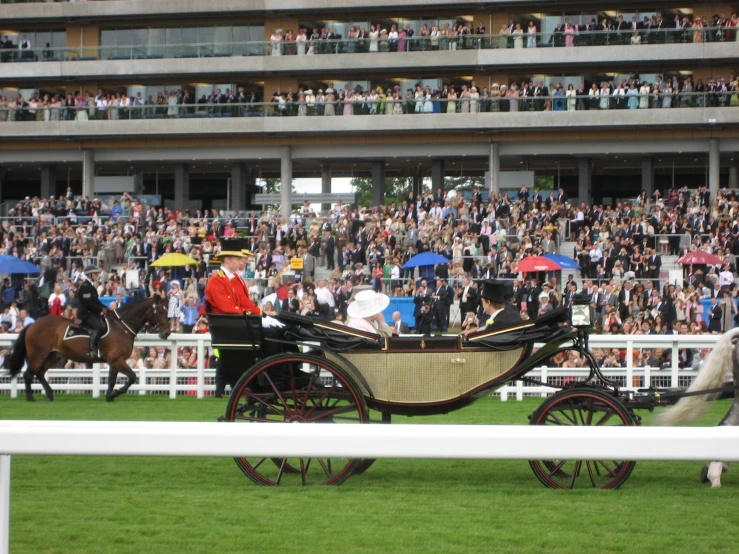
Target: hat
{"x":494,"y":290}
{"x":174,"y":283}
{"x":368,"y":303}
{"x":543,"y":295}
{"x":90,"y":269}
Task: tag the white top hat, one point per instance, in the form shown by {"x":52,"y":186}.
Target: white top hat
{"x":368,"y":303}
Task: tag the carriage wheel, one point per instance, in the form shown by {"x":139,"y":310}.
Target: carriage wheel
{"x":583,"y":407}
{"x":296,"y":388}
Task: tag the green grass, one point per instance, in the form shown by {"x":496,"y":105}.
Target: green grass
{"x":153,"y":505}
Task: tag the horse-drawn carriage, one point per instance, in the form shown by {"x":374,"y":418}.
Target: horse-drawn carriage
{"x":344,"y":375}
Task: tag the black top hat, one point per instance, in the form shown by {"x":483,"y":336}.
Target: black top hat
{"x":494,"y":290}
{"x":235,"y":244}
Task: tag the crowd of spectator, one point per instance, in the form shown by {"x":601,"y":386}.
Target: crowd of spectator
{"x":618,"y":247}
{"x":630,"y":93}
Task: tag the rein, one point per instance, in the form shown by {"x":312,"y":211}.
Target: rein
{"x":133,"y":329}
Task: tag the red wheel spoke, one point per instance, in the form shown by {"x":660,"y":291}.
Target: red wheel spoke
{"x":281,"y":472}
{"x":329,"y":413}
{"x":574,"y":415}
{"x":605,"y":418}
{"x":266,"y":405}
{"x":258,"y":419}
{"x":590,"y":473}
{"x":608,"y":469}
{"x":274,"y":388}
{"x":566,"y":415}
{"x":316,"y":405}
{"x":557,"y":467}
{"x":575,"y":473}
{"x":326,"y":469}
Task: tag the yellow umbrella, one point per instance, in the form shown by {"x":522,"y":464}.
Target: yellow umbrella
{"x":174,"y":260}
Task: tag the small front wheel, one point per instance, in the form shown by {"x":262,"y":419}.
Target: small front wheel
{"x":590,"y":407}
{"x":296,"y":388}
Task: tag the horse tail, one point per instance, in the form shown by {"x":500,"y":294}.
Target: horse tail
{"x":17,"y":357}
{"x":690,"y":408}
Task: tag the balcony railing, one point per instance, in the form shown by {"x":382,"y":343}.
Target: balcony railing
{"x":380,"y":45}
{"x":369,"y":106}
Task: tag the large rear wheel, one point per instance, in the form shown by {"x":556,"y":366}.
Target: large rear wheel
{"x":296,"y":388}
{"x":583,"y":407}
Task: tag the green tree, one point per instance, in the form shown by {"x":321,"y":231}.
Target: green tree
{"x":396,"y":189}
{"x":463,"y":183}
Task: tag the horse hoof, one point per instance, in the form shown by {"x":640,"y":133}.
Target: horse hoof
{"x":109,"y":398}
{"x":50,"y":399}
{"x":30,"y":399}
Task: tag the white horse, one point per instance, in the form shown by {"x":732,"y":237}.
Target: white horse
{"x":723,"y":357}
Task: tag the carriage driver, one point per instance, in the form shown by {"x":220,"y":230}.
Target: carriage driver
{"x":226,"y":291}
{"x":90,"y":308}
{"x":493,"y":297}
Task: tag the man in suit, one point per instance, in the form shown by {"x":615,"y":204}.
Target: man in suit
{"x":328,"y":248}
{"x":498,"y":312}
{"x":422,"y":293}
{"x":399,"y":326}
{"x":654,"y":263}
{"x":441,"y":306}
{"x":467,"y":297}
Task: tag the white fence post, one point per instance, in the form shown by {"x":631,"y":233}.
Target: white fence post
{"x":201,"y":369}
{"x":96,"y":380}
{"x":629,"y":364}
{"x":173,"y":371}
{"x":14,"y":387}
{"x":142,"y":381}
{"x":4,"y":504}
{"x":675,"y":365}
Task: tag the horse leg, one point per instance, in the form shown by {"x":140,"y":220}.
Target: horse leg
{"x":112,"y":376}
{"x":44,"y":383}
{"x":130,"y":380}
{"x":28,"y":380}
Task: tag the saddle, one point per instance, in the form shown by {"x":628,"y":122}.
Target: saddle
{"x":77,"y":330}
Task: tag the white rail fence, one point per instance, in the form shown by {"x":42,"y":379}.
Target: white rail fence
{"x":91,"y":438}
{"x":199,"y":381}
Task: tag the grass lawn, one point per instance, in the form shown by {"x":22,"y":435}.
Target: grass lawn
{"x":153,"y":505}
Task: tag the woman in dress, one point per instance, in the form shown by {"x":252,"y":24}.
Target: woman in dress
{"x":558,"y":102}
{"x":594,"y":96}
{"x":428,"y":104}
{"x":633,"y":97}
{"x":401,"y":40}
{"x":173,"y":306}
{"x":390,"y":102}
{"x":372,"y":102}
{"x":397,"y":103}
{"x":330,"y":108}
{"x":451,"y":103}
{"x":56,"y":106}
{"x":348,"y":103}
{"x":474,"y":100}
{"x":300,"y":42}
{"x":571,"y":98}
{"x":57,"y":301}
{"x":605,"y":97}
{"x":276,"y":40}
{"x":643,"y":95}
{"x":172,"y":105}
{"x":419,"y":98}
{"x":513,"y":95}
{"x":81,"y":103}
{"x":518,"y":36}
{"x":569,"y":36}
{"x":495,"y":98}
{"x":374,"y":34}
{"x":302,"y":106}
{"x":531,"y":40}
{"x":503,"y":37}
{"x":667,"y":97}
{"x":464,"y":98}
{"x":697,"y":30}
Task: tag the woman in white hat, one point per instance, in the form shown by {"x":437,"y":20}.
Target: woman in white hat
{"x":174,"y":304}
{"x":365,"y":313}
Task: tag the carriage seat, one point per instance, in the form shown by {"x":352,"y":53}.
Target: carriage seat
{"x":546,"y":328}
{"x":333,"y":336}
{"x":236,"y":332}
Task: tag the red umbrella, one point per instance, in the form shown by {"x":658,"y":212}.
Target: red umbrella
{"x":700,"y":258}
{"x":532,"y":264}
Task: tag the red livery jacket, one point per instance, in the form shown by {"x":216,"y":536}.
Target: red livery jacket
{"x":229,"y":296}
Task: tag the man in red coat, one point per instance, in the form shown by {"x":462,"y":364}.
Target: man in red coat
{"x":226,"y":291}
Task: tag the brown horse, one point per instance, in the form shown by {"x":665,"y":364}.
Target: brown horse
{"x":42,"y":343}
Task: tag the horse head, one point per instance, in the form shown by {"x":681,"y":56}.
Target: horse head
{"x":156,"y":316}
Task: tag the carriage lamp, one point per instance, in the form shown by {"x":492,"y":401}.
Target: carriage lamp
{"x":581,"y":312}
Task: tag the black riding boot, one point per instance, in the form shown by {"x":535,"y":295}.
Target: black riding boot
{"x":94,"y":338}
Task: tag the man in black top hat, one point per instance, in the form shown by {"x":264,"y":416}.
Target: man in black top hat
{"x":493,"y":298}
{"x":90,"y":308}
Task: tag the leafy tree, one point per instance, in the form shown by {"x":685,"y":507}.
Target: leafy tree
{"x":396,"y":189}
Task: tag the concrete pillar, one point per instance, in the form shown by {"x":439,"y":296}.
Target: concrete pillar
{"x":437,"y":175}
{"x":416,"y":181}
{"x":584,"y":178}
{"x":647,"y":175}
{"x":734,"y":173}
{"x":326,"y":175}
{"x":378,"y":182}
{"x":88,"y":173}
{"x":239,"y":177}
{"x":48,"y":181}
{"x":494,"y":169}
{"x":714,"y":168}
{"x":138,"y":181}
{"x":286,"y":181}
{"x":181,"y":186}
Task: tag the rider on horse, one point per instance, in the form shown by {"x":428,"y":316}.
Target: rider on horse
{"x":90,"y":308}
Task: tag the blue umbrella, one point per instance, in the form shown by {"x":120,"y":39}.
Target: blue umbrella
{"x":13,"y":265}
{"x":425,"y":258}
{"x":564,"y":261}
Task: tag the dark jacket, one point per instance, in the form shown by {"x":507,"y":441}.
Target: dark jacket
{"x":89,"y":302}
